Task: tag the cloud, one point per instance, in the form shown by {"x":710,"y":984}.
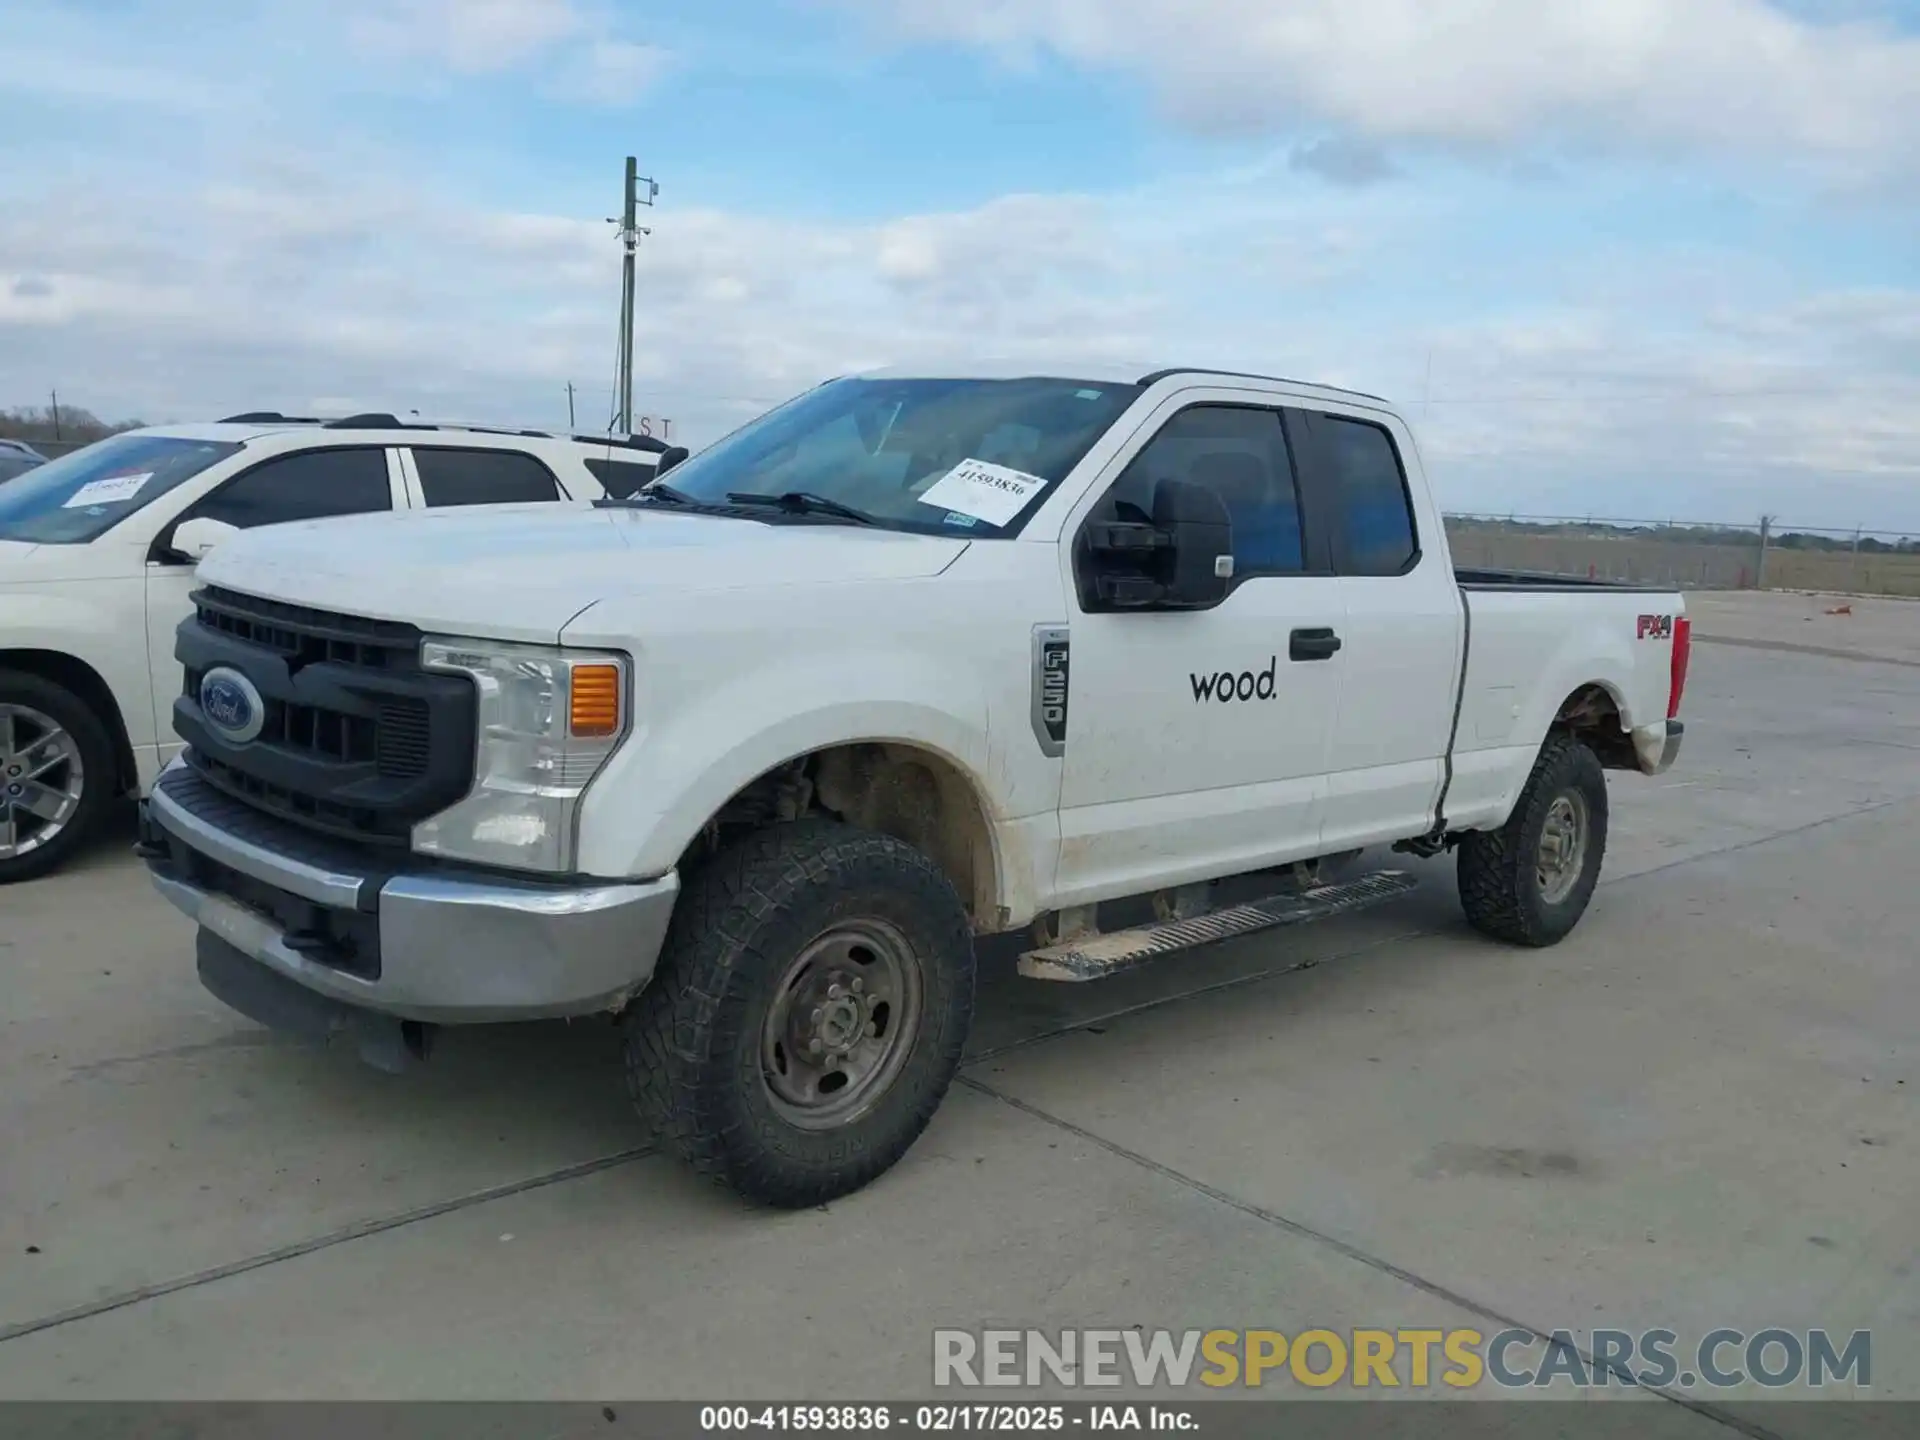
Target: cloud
{"x":580,"y":49}
{"x":1743,"y":78}
{"x":613,"y":73}
{"x":1563,"y":353}
{"x":469,"y":36}
{"x":1343,"y":161}
{"x":1642,"y":388}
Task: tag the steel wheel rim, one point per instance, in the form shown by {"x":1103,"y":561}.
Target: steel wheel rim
{"x":42,"y":780}
{"x":841,"y":1025}
{"x":1563,"y":847}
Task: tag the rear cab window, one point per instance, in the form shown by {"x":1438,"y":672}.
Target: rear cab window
{"x":1377,"y":530}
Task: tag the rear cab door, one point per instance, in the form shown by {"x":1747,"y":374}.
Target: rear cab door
{"x":1401,"y":628}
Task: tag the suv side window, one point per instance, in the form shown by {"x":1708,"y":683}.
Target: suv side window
{"x":1375,"y":509}
{"x":619,"y":478}
{"x":1240,"y":454}
{"x":482,"y":477}
{"x":307,"y":485}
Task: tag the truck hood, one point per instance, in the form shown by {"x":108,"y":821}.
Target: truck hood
{"x":521,"y":572}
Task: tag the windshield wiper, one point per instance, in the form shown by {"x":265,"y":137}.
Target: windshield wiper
{"x":656,"y":491}
{"x":803,"y":502}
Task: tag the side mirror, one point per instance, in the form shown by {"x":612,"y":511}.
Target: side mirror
{"x":1198,"y":570}
{"x":195,"y":538}
{"x":1179,"y":559}
{"x":670,"y":457}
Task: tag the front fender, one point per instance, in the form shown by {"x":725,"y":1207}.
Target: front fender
{"x":696,"y":746}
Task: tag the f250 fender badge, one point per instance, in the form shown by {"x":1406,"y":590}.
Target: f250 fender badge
{"x":1050,"y":688}
{"x":1656,"y":627}
{"x":232,"y":705}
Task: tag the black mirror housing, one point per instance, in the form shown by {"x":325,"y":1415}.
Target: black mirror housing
{"x":1180,"y":559}
{"x":1200,"y":531}
{"x":669,"y":457}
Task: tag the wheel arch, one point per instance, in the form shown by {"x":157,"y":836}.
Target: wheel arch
{"x":1595,"y":714}
{"x":76,"y":675}
{"x":910,"y":790}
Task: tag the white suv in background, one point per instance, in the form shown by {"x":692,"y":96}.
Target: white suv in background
{"x":97,"y":557}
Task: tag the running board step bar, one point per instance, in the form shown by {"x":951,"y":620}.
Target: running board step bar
{"x":1095,"y":957}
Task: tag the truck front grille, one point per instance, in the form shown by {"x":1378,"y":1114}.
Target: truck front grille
{"x":356,"y":739}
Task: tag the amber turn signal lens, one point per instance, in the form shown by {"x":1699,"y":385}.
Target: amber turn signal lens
{"x":594,"y":713}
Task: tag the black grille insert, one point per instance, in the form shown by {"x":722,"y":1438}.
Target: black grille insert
{"x":356,"y":739}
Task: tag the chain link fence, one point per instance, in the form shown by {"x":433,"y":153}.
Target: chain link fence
{"x":1767,"y":556}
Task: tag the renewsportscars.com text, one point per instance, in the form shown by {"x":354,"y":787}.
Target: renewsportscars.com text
{"x":1402,"y":1358}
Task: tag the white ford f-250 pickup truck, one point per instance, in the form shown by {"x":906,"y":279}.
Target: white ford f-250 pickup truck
{"x":749,"y":759}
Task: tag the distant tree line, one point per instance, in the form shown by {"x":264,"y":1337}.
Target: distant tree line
{"x":1692,"y":534}
{"x":73,"y":424}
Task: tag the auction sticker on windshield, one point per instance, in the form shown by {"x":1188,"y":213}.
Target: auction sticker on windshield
{"x":110,"y":491}
{"x":992,"y":493}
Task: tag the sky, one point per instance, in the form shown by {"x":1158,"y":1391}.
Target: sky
{"x":1643,"y":259}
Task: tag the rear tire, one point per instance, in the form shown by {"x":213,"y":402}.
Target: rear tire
{"x":57,"y":775}
{"x":1529,"y":882}
{"x":807,"y":1013}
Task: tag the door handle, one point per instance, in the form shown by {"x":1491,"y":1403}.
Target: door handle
{"x":1312,"y":645}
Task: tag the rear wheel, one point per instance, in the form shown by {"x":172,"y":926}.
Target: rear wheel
{"x":807,"y":1013}
{"x":1530,"y":881}
{"x":56,"y":775}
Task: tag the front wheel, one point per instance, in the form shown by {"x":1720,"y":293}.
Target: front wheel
{"x":1529,"y":882}
{"x":56,"y":775}
{"x":807,"y":1014}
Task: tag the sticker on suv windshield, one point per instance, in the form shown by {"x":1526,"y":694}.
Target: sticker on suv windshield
{"x":992,"y":493}
{"x":110,"y":491}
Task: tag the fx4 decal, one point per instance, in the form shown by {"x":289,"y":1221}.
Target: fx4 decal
{"x":1656,"y":627}
{"x":1050,"y":688}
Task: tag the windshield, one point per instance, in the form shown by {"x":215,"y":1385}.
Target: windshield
{"x":926,"y":455}
{"x":83,"y":495}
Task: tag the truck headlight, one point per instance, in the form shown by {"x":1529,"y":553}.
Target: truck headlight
{"x":548,"y":720}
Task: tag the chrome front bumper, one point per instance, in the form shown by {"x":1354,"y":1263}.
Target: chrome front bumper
{"x":1658,"y":746}
{"x":443,"y":947}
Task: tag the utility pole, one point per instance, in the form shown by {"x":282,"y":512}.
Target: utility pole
{"x":570,"y":424}
{"x":630,"y":233}
{"x":56,"y":414}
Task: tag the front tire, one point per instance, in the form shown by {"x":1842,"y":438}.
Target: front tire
{"x":1529,"y":882}
{"x":57,"y":775}
{"x":807,"y":1013}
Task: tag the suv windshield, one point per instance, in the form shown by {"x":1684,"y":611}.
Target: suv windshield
{"x":925,"y":455}
{"x":81,"y":496}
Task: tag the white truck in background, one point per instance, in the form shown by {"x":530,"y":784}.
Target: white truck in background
{"x":98,"y":548}
{"x":748,"y":760}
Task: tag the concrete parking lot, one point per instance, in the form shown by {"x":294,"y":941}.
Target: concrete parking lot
{"x":1697,"y":1112}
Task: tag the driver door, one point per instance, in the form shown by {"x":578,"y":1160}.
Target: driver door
{"x":305,"y":485}
{"x":1203,"y":735}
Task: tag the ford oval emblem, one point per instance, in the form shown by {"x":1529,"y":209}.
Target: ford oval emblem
{"x":232,"y":705}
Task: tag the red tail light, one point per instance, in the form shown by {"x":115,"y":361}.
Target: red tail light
{"x":1682,"y":654}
